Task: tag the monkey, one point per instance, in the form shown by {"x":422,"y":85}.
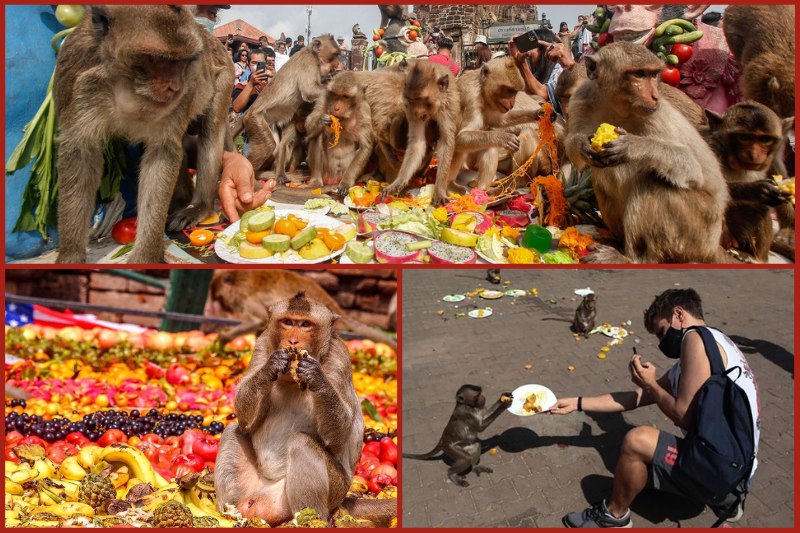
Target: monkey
{"x":459,"y":439}
{"x":294,"y":444}
{"x":357,"y":33}
{"x":659,"y":186}
{"x":488,"y":96}
{"x":746,"y":140}
{"x":394,"y":19}
{"x":244,"y":294}
{"x":293,"y":143}
{"x":390,"y":11}
{"x":141,"y":73}
{"x":761,"y":38}
{"x":430,"y":97}
{"x":300,"y":80}
{"x":345,"y":99}
{"x":585,"y":316}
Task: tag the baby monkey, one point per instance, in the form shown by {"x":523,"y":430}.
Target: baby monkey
{"x":460,"y":440}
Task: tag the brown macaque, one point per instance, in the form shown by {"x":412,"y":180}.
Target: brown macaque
{"x":430,"y":97}
{"x":245,"y":294}
{"x":659,"y":187}
{"x":488,"y":96}
{"x":344,"y":161}
{"x":459,"y":440}
{"x":585,"y":316}
{"x":142,"y":73}
{"x":390,"y":11}
{"x":762,"y":39}
{"x":293,"y":142}
{"x":300,"y":80}
{"x":746,"y":139}
{"x":294,"y":445}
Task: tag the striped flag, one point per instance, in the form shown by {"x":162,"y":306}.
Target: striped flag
{"x":18,"y":315}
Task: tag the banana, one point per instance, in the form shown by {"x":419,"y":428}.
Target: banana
{"x":11,"y":466}
{"x":158,"y":480}
{"x":71,"y":469}
{"x":12,"y":487}
{"x":13,"y":522}
{"x":203,"y":495}
{"x":67,"y":509}
{"x":137,"y":462}
{"x":170,"y":492}
{"x":120,"y":477}
{"x":71,"y":489}
{"x":45,"y":468}
{"x":23,"y":475}
{"x":200,"y":512}
{"x":132,"y":482}
{"x":89,"y":455}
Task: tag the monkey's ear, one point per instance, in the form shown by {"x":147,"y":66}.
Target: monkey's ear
{"x":315,"y":44}
{"x":788,"y":124}
{"x":403,"y":65}
{"x":692,"y":12}
{"x":591,"y":67}
{"x":484,"y":72}
{"x":334,"y":318}
{"x":714,"y":119}
{"x":444,"y":82}
{"x":99,"y":20}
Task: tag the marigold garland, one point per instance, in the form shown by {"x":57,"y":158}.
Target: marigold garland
{"x":574,"y":241}
{"x":336,"y":129}
{"x":556,"y":214}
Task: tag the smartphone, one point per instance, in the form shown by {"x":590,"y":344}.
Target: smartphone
{"x":261,"y":66}
{"x":527,"y":41}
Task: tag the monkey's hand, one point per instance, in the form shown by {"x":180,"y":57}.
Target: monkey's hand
{"x":766,"y":191}
{"x":310,"y":373}
{"x":613,"y":153}
{"x":278,"y":364}
{"x":507,"y":141}
{"x":326,"y":121}
{"x":506,"y":398}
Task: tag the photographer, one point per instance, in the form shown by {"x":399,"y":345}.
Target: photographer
{"x":254,"y":80}
{"x":549,"y":59}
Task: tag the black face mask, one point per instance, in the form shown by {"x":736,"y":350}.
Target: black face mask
{"x":670,"y":344}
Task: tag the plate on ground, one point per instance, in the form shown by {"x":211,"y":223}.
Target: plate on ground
{"x":584,"y":292}
{"x":345,"y":259}
{"x":231,"y":253}
{"x":515,"y":293}
{"x":489,"y":294}
{"x":480,"y":313}
{"x":453,"y":298}
{"x":538,"y":397}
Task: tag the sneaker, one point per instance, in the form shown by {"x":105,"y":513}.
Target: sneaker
{"x":737,"y":513}
{"x":596,"y":516}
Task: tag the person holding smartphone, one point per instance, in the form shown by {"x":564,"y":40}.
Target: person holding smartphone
{"x":540,"y":62}
{"x":254,"y":80}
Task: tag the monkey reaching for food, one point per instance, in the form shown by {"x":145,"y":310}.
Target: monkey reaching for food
{"x":658,"y":186}
{"x":295,"y":446}
{"x":459,"y":439}
{"x":343,"y":155}
{"x":141,"y":73}
{"x":747,"y":139}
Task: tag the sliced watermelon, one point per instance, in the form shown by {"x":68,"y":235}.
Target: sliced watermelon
{"x":442,"y":253}
{"x":390,"y":247}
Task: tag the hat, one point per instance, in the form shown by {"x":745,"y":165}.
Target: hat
{"x":481,"y":39}
{"x":498,"y":54}
{"x":340,"y":38}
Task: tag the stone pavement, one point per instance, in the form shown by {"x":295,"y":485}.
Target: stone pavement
{"x":548,"y":465}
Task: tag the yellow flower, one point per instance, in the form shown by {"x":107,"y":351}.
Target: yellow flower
{"x":440,"y":214}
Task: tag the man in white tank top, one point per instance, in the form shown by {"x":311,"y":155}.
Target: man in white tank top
{"x":648,"y":456}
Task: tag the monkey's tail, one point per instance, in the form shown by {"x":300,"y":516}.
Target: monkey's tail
{"x":356,"y":326}
{"x":379,"y":512}
{"x":559,"y":319}
{"x":430,"y":455}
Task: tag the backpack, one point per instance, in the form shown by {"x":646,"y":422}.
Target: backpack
{"x":718,"y":454}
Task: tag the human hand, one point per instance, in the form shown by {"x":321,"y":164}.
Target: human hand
{"x":564,"y":406}
{"x":237,"y":186}
{"x":643,"y":374}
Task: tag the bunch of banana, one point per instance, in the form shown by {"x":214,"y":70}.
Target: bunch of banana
{"x":201,"y":498}
{"x":71,"y":469}
{"x":139,"y":466}
{"x":150,"y":501}
{"x":40,"y":468}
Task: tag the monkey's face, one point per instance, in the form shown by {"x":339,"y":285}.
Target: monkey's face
{"x":341,"y":101}
{"x":297,"y":331}
{"x":640,"y":86}
{"x":327,"y":52}
{"x":471,"y":396}
{"x":751,"y":151}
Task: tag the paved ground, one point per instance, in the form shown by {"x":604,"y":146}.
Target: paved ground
{"x":546,"y":466}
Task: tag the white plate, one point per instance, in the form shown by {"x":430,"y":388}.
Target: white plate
{"x":345,"y":259}
{"x":489,"y":294}
{"x":349,"y":203}
{"x":545,"y":399}
{"x":480,"y":313}
{"x":452,"y":298}
{"x":515,"y":293}
{"x":231,"y":254}
{"x":488,"y":260}
{"x":584,"y":292}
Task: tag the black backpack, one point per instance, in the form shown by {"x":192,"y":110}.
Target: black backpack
{"x":718,"y":453}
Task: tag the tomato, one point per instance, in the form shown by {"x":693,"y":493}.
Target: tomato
{"x":285,"y":227}
{"x":11,"y":455}
{"x":33,"y":439}
{"x":671,"y":75}
{"x":604,"y":39}
{"x":167,"y":454}
{"x":388,"y":450}
{"x":60,"y":450}
{"x":682,"y":51}
{"x":150,"y":451}
{"x":124,"y":231}
{"x":187,"y":439}
{"x":152,"y":438}
{"x":206,"y":448}
{"x":384,"y":468}
{"x":377,"y":482}
{"x":416,"y":23}
{"x":111,"y":436}
{"x":412,"y":35}
{"x":376,"y":37}
{"x":69,"y":15}
{"x":379,"y":51}
{"x":366,"y":464}
{"x":194,"y":462}
{"x":172,"y":441}
{"x":77,"y":438}
{"x":372,"y":448}
{"x":201,"y":237}
{"x":13,"y":438}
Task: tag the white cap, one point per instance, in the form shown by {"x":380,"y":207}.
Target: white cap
{"x":498,"y":54}
{"x":481,"y":39}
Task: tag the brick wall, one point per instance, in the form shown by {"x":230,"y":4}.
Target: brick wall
{"x":364,"y":294}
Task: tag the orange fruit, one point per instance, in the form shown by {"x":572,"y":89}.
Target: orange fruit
{"x":285,"y":227}
{"x":255,"y":237}
{"x":298,"y":222}
{"x":201,"y":237}
{"x":333,"y":241}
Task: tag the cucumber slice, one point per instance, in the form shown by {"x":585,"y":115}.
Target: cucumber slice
{"x":249,"y":250}
{"x":244,"y":221}
{"x":419,"y":245}
{"x":261,"y":221}
{"x":303,"y":238}
{"x":358,"y":252}
{"x":276,"y":242}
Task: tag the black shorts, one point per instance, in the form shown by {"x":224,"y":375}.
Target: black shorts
{"x":664,"y":474}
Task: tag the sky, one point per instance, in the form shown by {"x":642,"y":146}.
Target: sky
{"x":339,"y":19}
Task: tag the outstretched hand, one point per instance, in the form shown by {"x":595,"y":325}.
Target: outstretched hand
{"x":237,"y":186}
{"x":564,"y":406}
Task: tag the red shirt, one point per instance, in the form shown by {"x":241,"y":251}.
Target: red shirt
{"x":449,"y":63}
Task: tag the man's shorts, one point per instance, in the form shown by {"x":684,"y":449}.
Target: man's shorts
{"x":664,"y":474}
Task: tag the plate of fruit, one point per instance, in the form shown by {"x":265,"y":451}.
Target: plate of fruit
{"x":364,"y":197}
{"x":532,"y":399}
{"x":267,"y":236}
